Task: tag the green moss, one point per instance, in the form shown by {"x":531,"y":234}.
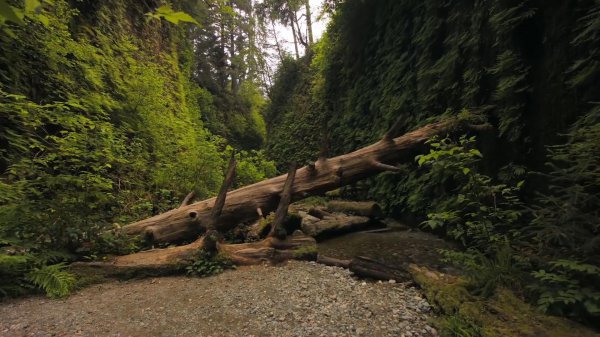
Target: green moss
{"x":502,"y":315}
{"x":306,"y":252}
{"x":313,"y":201}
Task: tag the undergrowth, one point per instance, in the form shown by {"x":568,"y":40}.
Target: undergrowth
{"x":205,"y":264}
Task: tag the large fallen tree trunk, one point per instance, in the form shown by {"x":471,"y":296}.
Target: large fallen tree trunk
{"x":247,"y":203}
{"x":173,"y":260}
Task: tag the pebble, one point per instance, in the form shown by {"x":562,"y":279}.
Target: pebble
{"x":298,"y":299}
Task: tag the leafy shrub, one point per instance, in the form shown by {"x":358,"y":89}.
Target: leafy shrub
{"x":253,"y":166}
{"x":565,"y":229}
{"x":568,"y":288}
{"x":12,"y":271}
{"x":566,"y":218}
{"x":486,"y":273}
{"x":20,"y":274}
{"x":204,"y":265}
{"x":115,"y":242}
{"x":470,"y":207}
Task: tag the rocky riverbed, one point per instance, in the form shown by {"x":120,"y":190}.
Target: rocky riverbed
{"x":297,"y":299}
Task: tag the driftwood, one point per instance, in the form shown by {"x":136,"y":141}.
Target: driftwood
{"x":248,"y":203}
{"x":363,"y":208}
{"x":366,"y":267}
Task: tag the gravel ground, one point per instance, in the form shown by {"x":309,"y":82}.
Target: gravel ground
{"x":298,"y":299}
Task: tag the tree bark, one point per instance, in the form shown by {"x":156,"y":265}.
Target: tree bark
{"x":294,"y":34}
{"x":187,"y":222}
{"x":309,"y":24}
{"x":212,"y":236}
{"x":284,"y":202}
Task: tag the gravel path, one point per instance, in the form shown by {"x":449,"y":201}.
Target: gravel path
{"x":298,"y":299}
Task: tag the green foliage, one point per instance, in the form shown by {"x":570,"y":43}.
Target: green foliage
{"x":566,"y":218}
{"x":167,"y":13}
{"x":253,"y":166}
{"x":565,"y":229}
{"x":486,"y":273}
{"x":295,"y":127}
{"x":114,"y":242}
{"x":22,"y":271}
{"x":469,"y":207}
{"x":205,"y":264}
{"x":568,"y":288}
{"x":98,"y":127}
{"x":31,"y":9}
{"x":53,"y":279}
{"x":12,"y":270}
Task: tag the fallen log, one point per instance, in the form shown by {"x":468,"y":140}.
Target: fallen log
{"x":337,"y":224}
{"x":172,"y":260}
{"x":363,"y":208}
{"x":318,"y":213}
{"x":366,"y":267}
{"x":248,"y":203}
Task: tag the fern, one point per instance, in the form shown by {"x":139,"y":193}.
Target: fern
{"x":53,"y":279}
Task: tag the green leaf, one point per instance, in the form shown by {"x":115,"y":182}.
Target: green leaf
{"x":466,"y":170}
{"x":32,"y":6}
{"x":11,"y":13}
{"x":167,"y":13}
{"x":182,"y":17}
{"x":476,"y":153}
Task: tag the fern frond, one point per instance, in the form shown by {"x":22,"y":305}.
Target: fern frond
{"x":53,"y":279}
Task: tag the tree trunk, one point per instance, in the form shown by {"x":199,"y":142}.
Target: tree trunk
{"x":309,"y":24}
{"x":243,"y":205}
{"x":295,"y":38}
{"x":363,"y":208}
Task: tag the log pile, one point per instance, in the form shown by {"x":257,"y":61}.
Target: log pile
{"x":247,"y":204}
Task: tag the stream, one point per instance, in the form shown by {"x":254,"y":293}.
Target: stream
{"x":398,"y":246}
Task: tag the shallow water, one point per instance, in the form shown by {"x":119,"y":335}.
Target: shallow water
{"x":396,"y":247}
